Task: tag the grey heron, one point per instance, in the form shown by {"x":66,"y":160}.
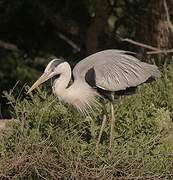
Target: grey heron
{"x":99,"y":75}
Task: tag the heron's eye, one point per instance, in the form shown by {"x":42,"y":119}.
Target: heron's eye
{"x":51,"y":70}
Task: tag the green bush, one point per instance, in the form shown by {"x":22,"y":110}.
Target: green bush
{"x":50,"y":140}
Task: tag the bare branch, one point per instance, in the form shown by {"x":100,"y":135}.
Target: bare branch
{"x":167,"y":15}
{"x":70,"y":42}
{"x":160,"y":52}
{"x":140,"y":44}
{"x":154,"y":49}
{"x":8,"y":46}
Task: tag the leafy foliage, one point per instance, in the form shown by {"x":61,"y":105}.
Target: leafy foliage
{"x":49,"y":140}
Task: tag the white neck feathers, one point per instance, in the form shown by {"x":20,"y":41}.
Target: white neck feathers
{"x":79,"y":94}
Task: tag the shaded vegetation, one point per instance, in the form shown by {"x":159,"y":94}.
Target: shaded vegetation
{"x":49,"y":140}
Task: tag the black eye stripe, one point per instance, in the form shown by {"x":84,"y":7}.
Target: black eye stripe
{"x":55,"y":77}
{"x":57,"y":62}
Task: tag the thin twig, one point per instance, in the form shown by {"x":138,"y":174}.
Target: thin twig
{"x":140,"y":44}
{"x":12,"y":90}
{"x":167,"y":15}
{"x":8,"y":46}
{"x":68,"y":41}
{"x":154,"y":49}
{"x":160,"y":52}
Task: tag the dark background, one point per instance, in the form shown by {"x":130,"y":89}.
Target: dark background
{"x":33,"y":32}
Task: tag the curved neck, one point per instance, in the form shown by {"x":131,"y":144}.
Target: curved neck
{"x":60,"y":84}
{"x":79,"y":94}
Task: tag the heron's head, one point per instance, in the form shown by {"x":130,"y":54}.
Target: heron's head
{"x":55,"y":67}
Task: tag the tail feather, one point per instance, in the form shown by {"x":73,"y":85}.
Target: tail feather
{"x":153,"y":70}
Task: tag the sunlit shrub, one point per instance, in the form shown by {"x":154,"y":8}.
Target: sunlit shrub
{"x":51,"y":140}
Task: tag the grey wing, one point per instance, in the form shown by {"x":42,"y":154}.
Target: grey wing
{"x":114,"y":71}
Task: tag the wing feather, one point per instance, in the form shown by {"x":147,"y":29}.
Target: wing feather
{"x":113,"y":70}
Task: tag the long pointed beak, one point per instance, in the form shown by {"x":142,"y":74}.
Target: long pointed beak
{"x":42,"y":79}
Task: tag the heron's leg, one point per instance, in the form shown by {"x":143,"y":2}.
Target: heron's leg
{"x":105,"y":116}
{"x":112,"y":126}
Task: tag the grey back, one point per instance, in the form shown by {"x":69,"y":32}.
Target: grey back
{"x":114,"y":70}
